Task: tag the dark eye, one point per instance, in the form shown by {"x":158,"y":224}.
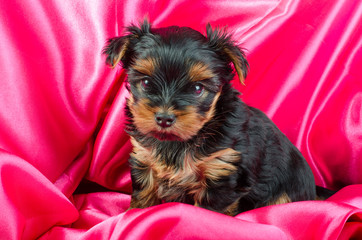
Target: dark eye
{"x":198,"y":89}
{"x":145,"y":83}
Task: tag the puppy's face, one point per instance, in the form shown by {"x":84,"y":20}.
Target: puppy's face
{"x":175,"y":77}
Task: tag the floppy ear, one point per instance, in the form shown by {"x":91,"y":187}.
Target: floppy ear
{"x":117,"y":48}
{"x":221,"y":41}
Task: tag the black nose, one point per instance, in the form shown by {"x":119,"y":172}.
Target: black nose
{"x":165,"y":120}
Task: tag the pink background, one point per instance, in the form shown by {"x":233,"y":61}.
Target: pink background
{"x":62,"y":120}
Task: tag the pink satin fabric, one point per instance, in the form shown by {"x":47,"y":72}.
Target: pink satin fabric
{"x":62,"y":119}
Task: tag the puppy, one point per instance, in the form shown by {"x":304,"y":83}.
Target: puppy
{"x":194,"y":140}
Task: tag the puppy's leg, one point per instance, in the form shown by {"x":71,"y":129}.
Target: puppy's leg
{"x":144,"y":186}
{"x":283,"y":198}
{"x":138,"y":201}
{"x":232,"y":209}
{"x":219,"y":191}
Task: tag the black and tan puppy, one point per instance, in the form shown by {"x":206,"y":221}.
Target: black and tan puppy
{"x":194,"y":140}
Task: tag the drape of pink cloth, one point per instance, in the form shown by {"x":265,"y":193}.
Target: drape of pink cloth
{"x":62,"y":119}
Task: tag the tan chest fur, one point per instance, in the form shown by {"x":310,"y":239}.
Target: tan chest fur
{"x":169,"y":183}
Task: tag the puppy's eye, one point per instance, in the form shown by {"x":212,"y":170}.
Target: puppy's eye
{"x":145,"y":83}
{"x":198,"y":89}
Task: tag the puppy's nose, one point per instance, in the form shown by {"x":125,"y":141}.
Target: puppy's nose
{"x":165,"y":120}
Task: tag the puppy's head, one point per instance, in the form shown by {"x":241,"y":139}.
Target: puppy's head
{"x":176,"y":76}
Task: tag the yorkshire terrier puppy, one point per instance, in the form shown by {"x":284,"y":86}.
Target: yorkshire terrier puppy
{"x":194,"y":140}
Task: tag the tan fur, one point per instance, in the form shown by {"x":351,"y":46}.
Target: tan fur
{"x":199,"y":72}
{"x":146,"y":180}
{"x":167,"y":182}
{"x":122,"y":52}
{"x":143,"y":115}
{"x":145,"y":66}
{"x":284,"y":198}
{"x":210,"y":114}
{"x":237,"y":64}
{"x":218,"y":164}
{"x":232,"y":209}
{"x":188,"y":122}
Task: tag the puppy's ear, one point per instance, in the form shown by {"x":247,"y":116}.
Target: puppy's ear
{"x":221,"y":42}
{"x":118,"y":48}
{"x":115,"y":50}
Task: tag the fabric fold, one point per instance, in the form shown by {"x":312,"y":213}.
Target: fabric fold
{"x":62,"y":118}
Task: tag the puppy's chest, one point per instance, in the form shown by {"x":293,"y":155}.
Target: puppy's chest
{"x":188,"y":177}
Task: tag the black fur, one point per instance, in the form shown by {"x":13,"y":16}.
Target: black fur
{"x":269,"y":165}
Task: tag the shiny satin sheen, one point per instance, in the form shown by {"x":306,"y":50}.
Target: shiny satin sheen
{"x":62,"y":116}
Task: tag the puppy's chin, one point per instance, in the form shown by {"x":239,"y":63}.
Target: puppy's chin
{"x":162,"y":136}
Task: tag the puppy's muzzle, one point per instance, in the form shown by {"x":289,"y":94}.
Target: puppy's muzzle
{"x":165,"y":120}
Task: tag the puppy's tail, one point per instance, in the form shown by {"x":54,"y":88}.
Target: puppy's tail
{"x":323,"y":193}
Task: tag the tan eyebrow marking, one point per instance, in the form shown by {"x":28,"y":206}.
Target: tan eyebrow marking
{"x":146,"y":66}
{"x":200,"y":71}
